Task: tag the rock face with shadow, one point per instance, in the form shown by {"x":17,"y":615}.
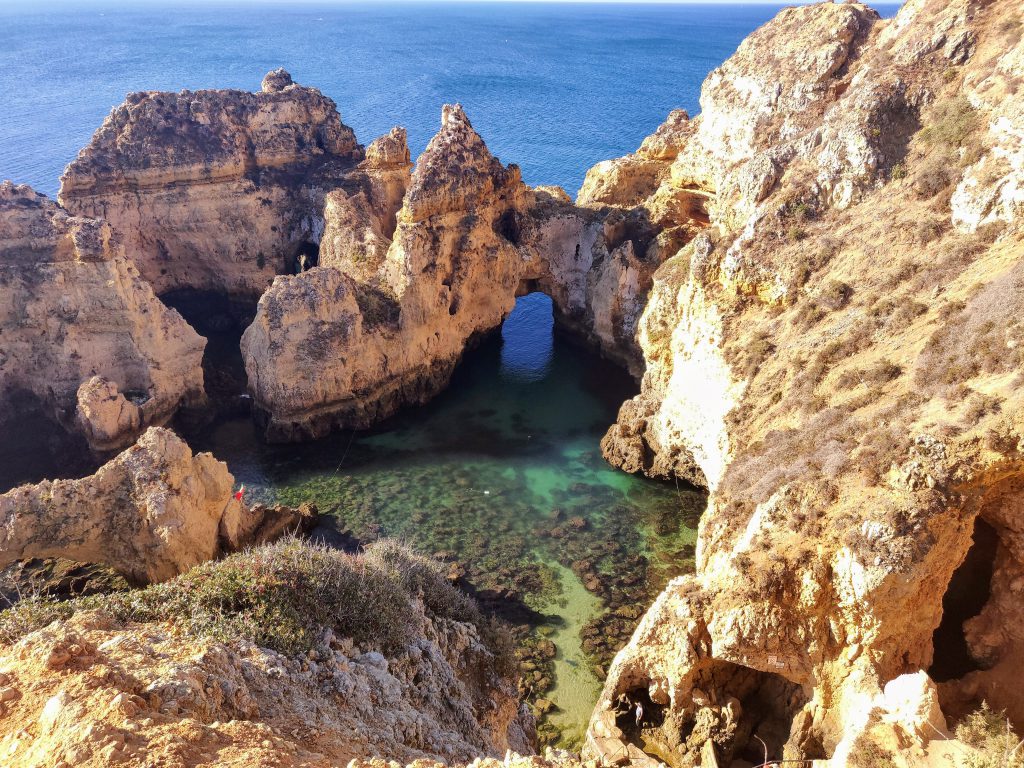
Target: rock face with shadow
{"x":150,"y":513}
{"x":215,"y":190}
{"x":81,"y":333}
{"x":415,"y":267}
{"x":835,"y":357}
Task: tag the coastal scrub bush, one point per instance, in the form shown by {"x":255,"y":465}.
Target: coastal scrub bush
{"x":990,"y":733}
{"x":952,"y":122}
{"x":756,"y":352}
{"x":934,"y":175}
{"x":281,"y":596}
{"x":876,"y":374}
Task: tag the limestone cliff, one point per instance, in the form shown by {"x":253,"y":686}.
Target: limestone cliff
{"x":835,"y":357}
{"x":150,"y":513}
{"x":414,"y":268}
{"x":81,"y":333}
{"x":168,"y":676}
{"x":215,"y":190}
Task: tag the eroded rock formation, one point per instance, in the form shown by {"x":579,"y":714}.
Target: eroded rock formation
{"x":169,"y":698}
{"x":834,"y":357}
{"x":413,"y":269}
{"x":152,"y":512}
{"x":81,"y":333}
{"x":215,"y":190}
{"x":819,"y":278}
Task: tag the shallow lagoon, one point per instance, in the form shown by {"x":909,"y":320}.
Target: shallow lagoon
{"x":502,"y":474}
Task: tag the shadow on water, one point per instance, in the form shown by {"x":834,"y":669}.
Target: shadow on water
{"x":34,"y":446}
{"x":502,"y":475}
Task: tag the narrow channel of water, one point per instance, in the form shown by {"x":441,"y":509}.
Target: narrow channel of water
{"x":502,"y":474}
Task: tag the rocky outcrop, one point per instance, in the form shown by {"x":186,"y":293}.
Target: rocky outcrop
{"x":92,"y":690}
{"x":215,"y":190}
{"x":833,"y":357}
{"x":82,"y":334}
{"x":414,"y":269}
{"x":151,"y":513}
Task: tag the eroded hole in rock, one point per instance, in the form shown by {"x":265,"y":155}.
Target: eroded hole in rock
{"x":507,"y":225}
{"x":741,"y":711}
{"x":307,"y":257}
{"x":634,"y":226}
{"x":527,"y":337}
{"x":221,"y":319}
{"x":966,"y":595}
{"x":697,"y":209}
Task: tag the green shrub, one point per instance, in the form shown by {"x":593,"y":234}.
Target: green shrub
{"x":952,"y":122}
{"x":990,"y":733}
{"x":282,"y":597}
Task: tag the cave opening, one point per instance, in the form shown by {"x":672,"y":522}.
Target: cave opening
{"x":305,"y":258}
{"x":697,"y":208}
{"x":221,"y":318}
{"x":969,"y":590}
{"x":507,"y":225}
{"x":742,"y":711}
{"x":527,"y":339}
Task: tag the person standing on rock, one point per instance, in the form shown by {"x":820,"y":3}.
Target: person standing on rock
{"x":639,"y":714}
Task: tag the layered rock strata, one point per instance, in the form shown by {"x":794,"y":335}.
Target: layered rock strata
{"x":93,"y":691}
{"x":81,"y":333}
{"x":835,"y":358}
{"x":215,"y":190}
{"x":151,"y":513}
{"x":414,"y":268}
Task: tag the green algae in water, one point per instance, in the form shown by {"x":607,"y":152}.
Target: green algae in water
{"x":502,"y":472}
{"x":576,"y":686}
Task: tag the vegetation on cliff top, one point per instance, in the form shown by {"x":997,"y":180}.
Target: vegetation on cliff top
{"x":283,"y":596}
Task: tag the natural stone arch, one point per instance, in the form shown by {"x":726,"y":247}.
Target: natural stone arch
{"x":468,"y":238}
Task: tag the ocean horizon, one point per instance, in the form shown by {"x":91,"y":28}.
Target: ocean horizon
{"x":553,"y":87}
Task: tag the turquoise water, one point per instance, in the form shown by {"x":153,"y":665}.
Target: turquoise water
{"x":503,"y":475}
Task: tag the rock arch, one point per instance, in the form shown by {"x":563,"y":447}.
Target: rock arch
{"x":469,"y":236}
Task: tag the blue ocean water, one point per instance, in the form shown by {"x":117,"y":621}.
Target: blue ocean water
{"x":554,"y":87}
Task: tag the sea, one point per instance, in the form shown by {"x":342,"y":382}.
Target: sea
{"x":502,"y":472}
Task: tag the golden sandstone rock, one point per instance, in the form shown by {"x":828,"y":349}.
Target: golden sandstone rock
{"x":214,"y":190}
{"x":73,"y":307}
{"x":150,"y":513}
{"x":401,"y":291}
{"x":819,"y":279}
{"x":831,"y":359}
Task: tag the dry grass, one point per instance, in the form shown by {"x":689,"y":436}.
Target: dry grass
{"x":282,"y":596}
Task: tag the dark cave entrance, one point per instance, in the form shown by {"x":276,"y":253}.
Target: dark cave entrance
{"x":968,"y":591}
{"x":508,"y":226}
{"x":742,"y":711}
{"x":307,"y":257}
{"x":221,"y":319}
